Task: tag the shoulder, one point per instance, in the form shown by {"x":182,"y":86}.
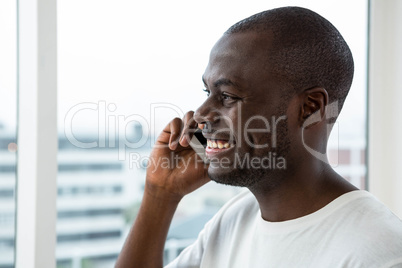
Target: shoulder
{"x":370,"y":213}
{"x":369,"y":229}
{"x":380,"y":223}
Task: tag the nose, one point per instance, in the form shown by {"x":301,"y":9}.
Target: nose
{"x":206,"y":113}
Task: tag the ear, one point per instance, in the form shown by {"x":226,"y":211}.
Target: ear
{"x":314,"y":101}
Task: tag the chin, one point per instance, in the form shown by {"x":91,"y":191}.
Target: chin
{"x":236,"y":177}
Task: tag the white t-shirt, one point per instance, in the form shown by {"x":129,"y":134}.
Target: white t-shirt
{"x":354,"y":230}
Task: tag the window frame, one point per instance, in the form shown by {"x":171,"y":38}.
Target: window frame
{"x":37,"y":134}
{"x":384,"y":144}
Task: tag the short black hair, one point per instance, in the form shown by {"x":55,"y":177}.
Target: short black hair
{"x":306,"y":50}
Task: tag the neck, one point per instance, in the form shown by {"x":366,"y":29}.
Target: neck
{"x":304,"y":191}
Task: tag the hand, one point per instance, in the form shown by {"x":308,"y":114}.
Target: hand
{"x":174,"y":168}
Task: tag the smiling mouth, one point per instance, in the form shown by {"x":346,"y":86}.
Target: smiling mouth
{"x":218,"y":144}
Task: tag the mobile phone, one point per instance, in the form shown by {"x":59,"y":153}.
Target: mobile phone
{"x":198,"y":142}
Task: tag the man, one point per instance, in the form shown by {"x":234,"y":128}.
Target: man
{"x":274,"y":81}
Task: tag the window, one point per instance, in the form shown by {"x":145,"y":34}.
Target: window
{"x":125,"y":69}
{"x":8,"y":119}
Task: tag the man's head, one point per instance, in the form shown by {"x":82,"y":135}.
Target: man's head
{"x":306,"y":51}
{"x":266,"y":76}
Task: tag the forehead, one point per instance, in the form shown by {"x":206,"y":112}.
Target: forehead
{"x":243,"y":57}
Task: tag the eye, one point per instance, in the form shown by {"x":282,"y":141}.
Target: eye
{"x":206,"y":91}
{"x":227,"y":97}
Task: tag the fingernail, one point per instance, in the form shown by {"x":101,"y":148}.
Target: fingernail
{"x":173,"y":144}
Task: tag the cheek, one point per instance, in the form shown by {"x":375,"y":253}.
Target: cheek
{"x":293,"y":124}
{"x":258,"y":131}
{"x":293,"y":113}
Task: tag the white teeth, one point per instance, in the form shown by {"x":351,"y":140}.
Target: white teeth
{"x":220,"y":145}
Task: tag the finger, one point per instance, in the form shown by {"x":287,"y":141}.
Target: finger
{"x":188,"y":129}
{"x":175,"y":131}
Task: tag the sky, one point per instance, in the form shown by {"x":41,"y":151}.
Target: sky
{"x":123,"y":57}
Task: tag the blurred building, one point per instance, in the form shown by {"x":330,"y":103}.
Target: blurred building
{"x":7,"y":192}
{"x":94,"y":191}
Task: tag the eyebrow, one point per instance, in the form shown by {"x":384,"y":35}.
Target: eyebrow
{"x":222,"y":82}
